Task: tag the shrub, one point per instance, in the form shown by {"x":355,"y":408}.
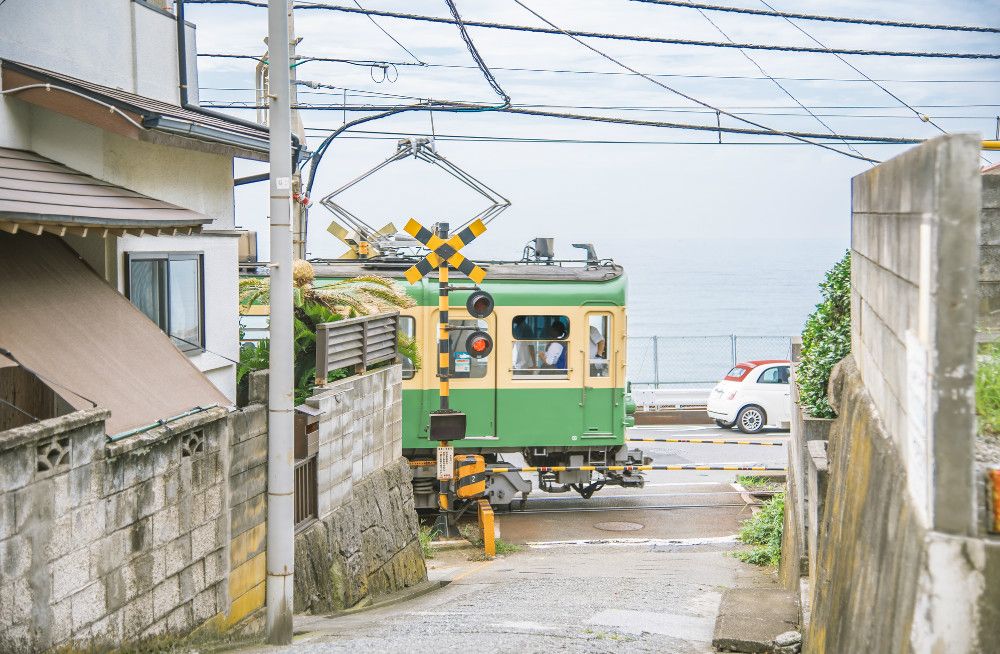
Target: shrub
{"x":988,"y":388}
{"x":763,"y":532}
{"x":826,"y":339}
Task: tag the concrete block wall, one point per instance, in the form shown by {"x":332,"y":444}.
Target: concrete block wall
{"x":989,"y":256}
{"x":111,"y":541}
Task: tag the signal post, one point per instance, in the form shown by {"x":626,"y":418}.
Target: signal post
{"x":446,"y":424}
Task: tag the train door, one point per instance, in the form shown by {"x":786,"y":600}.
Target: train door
{"x":473,"y":381}
{"x":598,"y":378}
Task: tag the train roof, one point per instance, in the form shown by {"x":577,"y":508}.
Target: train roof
{"x":495,"y":270}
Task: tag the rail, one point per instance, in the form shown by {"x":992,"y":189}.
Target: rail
{"x":355,"y":343}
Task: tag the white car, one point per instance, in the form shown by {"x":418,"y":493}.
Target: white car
{"x":754,"y":395}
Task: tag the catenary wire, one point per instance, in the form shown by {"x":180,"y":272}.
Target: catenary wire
{"x":605,"y":55}
{"x":391,"y":37}
{"x":828,"y":19}
{"x":574,"y":71}
{"x":474,"y":52}
{"x":776,"y":82}
{"x":616,"y":37}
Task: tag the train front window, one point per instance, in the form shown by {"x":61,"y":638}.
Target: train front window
{"x":463,"y":365}
{"x":407,"y":328}
{"x":541,"y":345}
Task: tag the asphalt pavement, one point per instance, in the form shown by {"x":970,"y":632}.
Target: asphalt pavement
{"x":639,"y":570}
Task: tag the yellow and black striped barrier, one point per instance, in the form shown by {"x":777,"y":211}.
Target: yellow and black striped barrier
{"x":704,"y":441}
{"x":636,"y":468}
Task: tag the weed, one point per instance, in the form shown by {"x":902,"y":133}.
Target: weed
{"x":425,"y":536}
{"x":504,"y":548}
{"x":988,"y":388}
{"x":755,"y":482}
{"x":762,"y":532}
{"x":474,"y":535}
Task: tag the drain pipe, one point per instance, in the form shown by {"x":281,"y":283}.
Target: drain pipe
{"x":280,"y":462}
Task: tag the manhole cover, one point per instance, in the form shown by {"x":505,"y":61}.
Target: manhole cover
{"x":618,"y":526}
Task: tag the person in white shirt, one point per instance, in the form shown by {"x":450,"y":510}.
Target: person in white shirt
{"x":523,"y":355}
{"x":555,"y":353}
{"x":598,"y":353}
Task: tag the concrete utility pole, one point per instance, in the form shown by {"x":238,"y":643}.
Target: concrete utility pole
{"x":299,"y":210}
{"x":280,"y":464}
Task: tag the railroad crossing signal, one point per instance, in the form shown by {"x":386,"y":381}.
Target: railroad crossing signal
{"x":442,"y":251}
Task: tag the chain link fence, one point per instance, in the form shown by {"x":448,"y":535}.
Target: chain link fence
{"x":655,"y":361}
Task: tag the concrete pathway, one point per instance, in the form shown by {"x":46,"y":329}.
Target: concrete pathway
{"x":638,"y":597}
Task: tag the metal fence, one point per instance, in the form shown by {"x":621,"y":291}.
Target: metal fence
{"x":663,"y":360}
{"x":356,"y":342}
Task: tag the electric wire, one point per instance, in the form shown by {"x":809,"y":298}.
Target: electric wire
{"x":605,"y":55}
{"x":829,"y":19}
{"x":474,"y":52}
{"x":391,"y":37}
{"x":776,"y":82}
{"x":614,"y":36}
{"x":764,"y":131}
{"x":574,"y":71}
{"x":11,"y":404}
{"x":7,"y":353}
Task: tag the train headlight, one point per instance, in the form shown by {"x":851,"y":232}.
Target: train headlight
{"x":479,"y":344}
{"x":479,"y":304}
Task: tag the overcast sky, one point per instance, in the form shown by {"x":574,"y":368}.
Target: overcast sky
{"x":747,"y":188}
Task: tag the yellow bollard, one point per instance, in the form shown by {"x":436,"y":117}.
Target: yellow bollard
{"x":486,"y":524}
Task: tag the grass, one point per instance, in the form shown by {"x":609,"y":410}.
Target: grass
{"x":474,"y":535}
{"x":988,"y":388}
{"x":425,"y":536}
{"x":756,"y":482}
{"x":762,"y":532}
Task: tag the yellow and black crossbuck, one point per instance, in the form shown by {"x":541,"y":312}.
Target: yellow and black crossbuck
{"x":445,"y":251}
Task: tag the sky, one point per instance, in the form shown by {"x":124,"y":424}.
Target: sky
{"x":665,"y":184}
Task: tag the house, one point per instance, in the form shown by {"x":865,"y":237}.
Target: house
{"x":102,"y":93}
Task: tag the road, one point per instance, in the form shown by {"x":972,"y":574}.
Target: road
{"x":641,"y":570}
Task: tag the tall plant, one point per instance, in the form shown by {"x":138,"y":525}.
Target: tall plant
{"x":826,"y":339}
{"x":314,"y":305}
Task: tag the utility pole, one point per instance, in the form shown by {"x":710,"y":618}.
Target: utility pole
{"x":299,"y":210}
{"x":280,"y":504}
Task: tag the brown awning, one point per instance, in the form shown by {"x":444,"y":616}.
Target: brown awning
{"x":38,"y":194}
{"x":64,"y":322}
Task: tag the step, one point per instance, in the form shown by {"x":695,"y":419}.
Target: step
{"x":750,"y":618}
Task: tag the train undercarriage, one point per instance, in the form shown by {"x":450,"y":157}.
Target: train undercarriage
{"x":505,"y":488}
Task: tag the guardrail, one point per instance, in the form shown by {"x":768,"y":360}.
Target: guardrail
{"x":355,"y":343}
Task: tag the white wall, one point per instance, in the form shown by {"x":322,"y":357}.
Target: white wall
{"x":221,"y":302}
{"x":117,"y":43}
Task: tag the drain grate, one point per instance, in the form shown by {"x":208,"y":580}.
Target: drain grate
{"x":618,"y":526}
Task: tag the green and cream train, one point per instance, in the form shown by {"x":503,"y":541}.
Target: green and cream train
{"x":552,"y":389}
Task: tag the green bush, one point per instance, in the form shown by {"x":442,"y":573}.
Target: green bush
{"x":763,"y":532}
{"x":826,"y":339}
{"x":988,"y":388}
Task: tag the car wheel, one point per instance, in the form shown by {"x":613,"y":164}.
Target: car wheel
{"x":724,"y":424}
{"x":751,"y":419}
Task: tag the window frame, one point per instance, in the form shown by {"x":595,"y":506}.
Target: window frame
{"x":607,"y":362}
{"x":413,"y":370}
{"x":760,"y":377}
{"x":542,"y":373}
{"x":199,"y":257}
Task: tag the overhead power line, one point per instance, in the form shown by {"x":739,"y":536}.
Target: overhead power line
{"x":391,"y":37}
{"x":476,"y":56}
{"x":614,"y":120}
{"x":611,"y":36}
{"x":574,"y":71}
{"x":827,"y":19}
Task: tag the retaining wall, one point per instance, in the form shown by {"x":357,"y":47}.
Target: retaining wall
{"x":901,"y":564}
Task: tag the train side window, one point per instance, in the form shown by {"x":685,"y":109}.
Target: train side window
{"x":597,"y":345}
{"x":461,"y":364}
{"x":408,"y":328}
{"x":541,"y":345}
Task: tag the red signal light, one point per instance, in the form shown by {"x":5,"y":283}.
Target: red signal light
{"x":479,"y":344}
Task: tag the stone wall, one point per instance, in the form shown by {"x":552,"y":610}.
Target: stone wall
{"x":364,"y":542}
{"x":111,"y":541}
{"x":900,"y":564}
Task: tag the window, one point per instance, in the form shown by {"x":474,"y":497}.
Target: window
{"x":408,"y":328}
{"x":778,"y":375}
{"x":597,"y":345}
{"x":168,"y":289}
{"x":541,"y":345}
{"x":463,"y":365}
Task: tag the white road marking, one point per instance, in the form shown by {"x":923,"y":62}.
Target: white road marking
{"x":621,"y":542}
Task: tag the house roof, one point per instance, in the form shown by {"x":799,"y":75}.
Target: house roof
{"x":135,"y":113}
{"x":74,"y":330}
{"x":38,"y":194}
